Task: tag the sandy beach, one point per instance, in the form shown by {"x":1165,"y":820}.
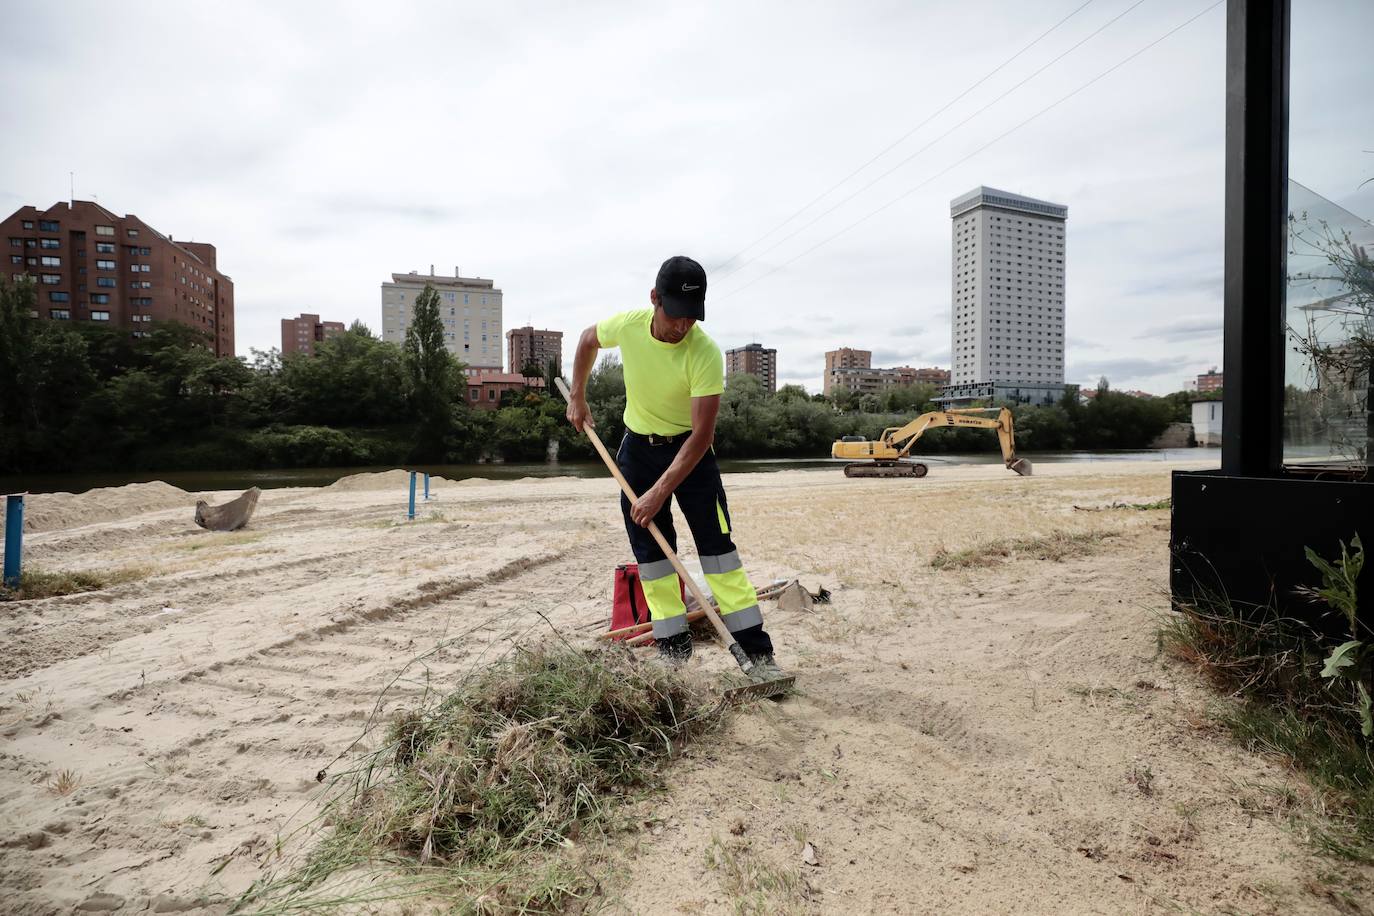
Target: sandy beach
{"x":995,"y":738}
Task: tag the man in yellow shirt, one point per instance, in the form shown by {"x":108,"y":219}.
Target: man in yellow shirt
{"x":674,"y":376}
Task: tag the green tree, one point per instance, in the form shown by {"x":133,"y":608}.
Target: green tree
{"x":353,"y":379}
{"x":433,"y":376}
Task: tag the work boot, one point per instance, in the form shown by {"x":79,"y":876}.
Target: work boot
{"x":765,"y":669}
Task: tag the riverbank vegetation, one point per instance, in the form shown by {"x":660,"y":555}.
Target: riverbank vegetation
{"x":84,"y":397}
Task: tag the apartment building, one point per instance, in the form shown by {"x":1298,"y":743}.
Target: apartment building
{"x":757,"y":360}
{"x":300,"y":334}
{"x":470,"y":308}
{"x":1007,"y":315}
{"x":931,"y":375}
{"x":528,"y":345}
{"x":844,"y":358}
{"x":1209,"y":381}
{"x":875,"y":381}
{"x":92,"y":265}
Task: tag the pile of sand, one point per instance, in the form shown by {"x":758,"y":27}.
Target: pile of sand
{"x":51,"y":511}
{"x":395,"y":479}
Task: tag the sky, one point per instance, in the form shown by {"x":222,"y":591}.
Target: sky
{"x":565,"y":150}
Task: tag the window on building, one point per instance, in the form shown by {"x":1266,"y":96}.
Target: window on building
{"x":48,"y":225}
{"x":50,"y":243}
{"x":104,"y":230}
{"x":146,"y":268}
{"x":132,"y":233}
{"x":105,"y":265}
{"x":50,"y":261}
{"x":105,"y":281}
{"x":60,"y":314}
{"x":59,"y":296}
{"x":104,"y":247}
{"x":100,"y":298}
{"x":27,"y":224}
{"x":52,"y":279}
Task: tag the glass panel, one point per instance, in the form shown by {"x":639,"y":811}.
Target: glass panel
{"x":1330,"y":306}
{"x":1330,"y":331}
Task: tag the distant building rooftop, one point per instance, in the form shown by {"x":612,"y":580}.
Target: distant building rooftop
{"x":1006,"y":200}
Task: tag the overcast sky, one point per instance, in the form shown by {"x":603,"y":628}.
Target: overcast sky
{"x":564,"y":150}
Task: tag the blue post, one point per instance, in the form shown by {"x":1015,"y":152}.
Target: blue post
{"x":426,"y":487}
{"x":412,"y":495}
{"x":14,"y":538}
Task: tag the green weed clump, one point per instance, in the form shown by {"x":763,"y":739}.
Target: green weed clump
{"x":472,"y":798}
{"x":34,"y":583}
{"x":1300,"y":699}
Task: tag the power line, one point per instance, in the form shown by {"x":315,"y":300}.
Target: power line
{"x":851,"y":196}
{"x":885,"y":150}
{"x":907,"y":193}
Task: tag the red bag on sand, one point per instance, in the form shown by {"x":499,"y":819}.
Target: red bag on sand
{"x":630,"y":607}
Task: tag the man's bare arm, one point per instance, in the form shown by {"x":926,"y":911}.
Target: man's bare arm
{"x":588,"y":345}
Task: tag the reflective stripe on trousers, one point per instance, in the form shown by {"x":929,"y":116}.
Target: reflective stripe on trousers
{"x":725,"y":576}
{"x":663,"y":592}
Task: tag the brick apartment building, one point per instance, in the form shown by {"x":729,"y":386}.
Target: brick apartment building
{"x":852,"y":370}
{"x":91,"y":265}
{"x":844,"y":358}
{"x":299,"y":335}
{"x":932,"y":375}
{"x":527,"y":345}
{"x":757,"y":360}
{"x":1209,"y":381}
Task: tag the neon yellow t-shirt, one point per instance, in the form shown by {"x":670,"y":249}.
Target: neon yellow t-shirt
{"x":662,"y":378}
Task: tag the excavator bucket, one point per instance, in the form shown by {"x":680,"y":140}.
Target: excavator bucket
{"x":1021,"y":466}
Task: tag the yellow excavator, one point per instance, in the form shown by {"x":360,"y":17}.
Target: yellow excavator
{"x":887,"y":456}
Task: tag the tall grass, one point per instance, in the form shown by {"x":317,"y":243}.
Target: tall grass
{"x":474,"y":798}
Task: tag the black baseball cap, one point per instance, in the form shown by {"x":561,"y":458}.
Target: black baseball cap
{"x":681,"y":286}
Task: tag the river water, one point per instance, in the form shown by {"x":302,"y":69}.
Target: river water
{"x":319,"y":477}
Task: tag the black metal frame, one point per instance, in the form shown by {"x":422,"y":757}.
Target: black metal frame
{"x":1257,"y":60}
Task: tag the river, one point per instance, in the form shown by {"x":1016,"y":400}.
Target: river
{"x":319,"y":477}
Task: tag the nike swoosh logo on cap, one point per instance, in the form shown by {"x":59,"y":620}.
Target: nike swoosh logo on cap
{"x":688,"y":289}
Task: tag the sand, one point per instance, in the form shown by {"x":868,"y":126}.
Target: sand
{"x":999,"y":739}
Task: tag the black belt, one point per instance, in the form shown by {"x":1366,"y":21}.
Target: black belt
{"x":656,"y":439}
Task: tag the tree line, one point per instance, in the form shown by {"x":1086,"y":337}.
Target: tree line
{"x":83,"y":397}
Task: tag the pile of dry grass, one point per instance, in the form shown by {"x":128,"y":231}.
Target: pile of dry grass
{"x":35,"y":583}
{"x":468,"y":796}
{"x":1058,"y":546}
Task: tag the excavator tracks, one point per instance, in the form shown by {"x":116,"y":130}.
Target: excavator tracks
{"x":886,"y":469}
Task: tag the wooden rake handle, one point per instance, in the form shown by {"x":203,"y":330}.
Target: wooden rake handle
{"x":703,"y":601}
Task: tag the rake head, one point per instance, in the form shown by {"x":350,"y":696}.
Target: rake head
{"x":779,"y":687}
